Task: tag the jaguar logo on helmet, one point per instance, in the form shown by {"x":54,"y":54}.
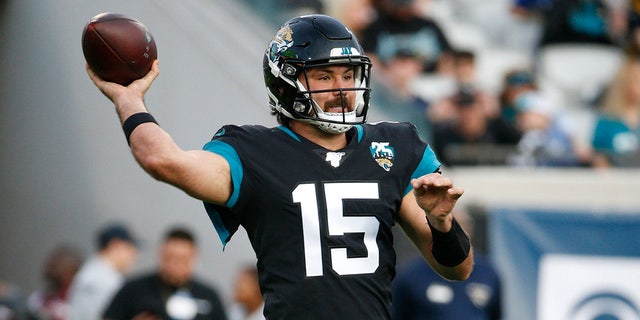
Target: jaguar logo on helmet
{"x":281,"y":42}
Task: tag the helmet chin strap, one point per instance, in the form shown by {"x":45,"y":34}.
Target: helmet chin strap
{"x":332,"y":126}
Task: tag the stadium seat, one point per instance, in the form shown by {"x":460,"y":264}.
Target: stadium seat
{"x":433,"y":87}
{"x":578,"y":72}
{"x":464,"y":35}
{"x":492,"y":63}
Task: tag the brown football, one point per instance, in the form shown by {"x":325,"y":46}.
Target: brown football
{"x":118,"y":48}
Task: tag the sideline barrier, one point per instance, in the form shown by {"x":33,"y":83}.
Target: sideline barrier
{"x":564,"y":241}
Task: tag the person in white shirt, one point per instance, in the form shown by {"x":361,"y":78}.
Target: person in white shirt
{"x":248,"y":302}
{"x":102,"y":275}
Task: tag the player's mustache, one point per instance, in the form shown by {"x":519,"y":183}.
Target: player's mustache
{"x":339,"y":102}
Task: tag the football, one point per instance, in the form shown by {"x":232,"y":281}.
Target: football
{"x":118,"y":48}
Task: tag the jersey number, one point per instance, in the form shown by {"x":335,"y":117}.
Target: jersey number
{"x":338,"y":224}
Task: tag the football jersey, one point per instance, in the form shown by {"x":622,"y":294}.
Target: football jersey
{"x":318,"y":220}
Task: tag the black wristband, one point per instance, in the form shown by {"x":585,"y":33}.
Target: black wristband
{"x":134,"y":121}
{"x":450,"y":248}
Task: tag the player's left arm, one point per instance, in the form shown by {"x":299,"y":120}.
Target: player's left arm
{"x":426,"y":215}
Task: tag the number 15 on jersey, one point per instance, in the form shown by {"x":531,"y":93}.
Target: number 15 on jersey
{"x":338,"y":225}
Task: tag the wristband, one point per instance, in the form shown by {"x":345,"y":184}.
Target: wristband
{"x":134,"y":121}
{"x":450,"y":248}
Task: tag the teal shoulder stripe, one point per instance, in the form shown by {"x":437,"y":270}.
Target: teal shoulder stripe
{"x":230,"y":154}
{"x":360,"y":130}
{"x":289,"y":132}
{"x":428,"y":164}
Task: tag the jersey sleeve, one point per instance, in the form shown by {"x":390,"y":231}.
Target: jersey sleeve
{"x":223,"y":220}
{"x":428,"y":162}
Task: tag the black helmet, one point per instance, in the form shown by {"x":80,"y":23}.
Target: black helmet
{"x":314,"y":41}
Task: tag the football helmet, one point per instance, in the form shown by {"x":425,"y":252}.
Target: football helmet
{"x":315,"y":41}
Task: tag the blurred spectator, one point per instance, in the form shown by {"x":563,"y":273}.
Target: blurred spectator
{"x":393,"y":91}
{"x":532,"y":5}
{"x":248,"y":302}
{"x":170,"y":292}
{"x":276,"y":11}
{"x":464,"y":74}
{"x":616,"y":138}
{"x":400,"y":27}
{"x":355,"y":14}
{"x":421,"y":294}
{"x":401,"y":70}
{"x":515,"y":83}
{"x":393,"y":94}
{"x":51,"y":301}
{"x":473,"y":137}
{"x":574,"y":21}
{"x":632,"y":39}
{"x":464,"y":67}
{"x":102,"y":275}
{"x":546,"y":138}
{"x":300,"y":7}
{"x":13,"y":303}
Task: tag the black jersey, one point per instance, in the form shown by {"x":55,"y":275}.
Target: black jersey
{"x":148,"y":293}
{"x":320,"y":221}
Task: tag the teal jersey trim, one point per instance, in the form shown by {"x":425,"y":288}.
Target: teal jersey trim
{"x":226,"y":151}
{"x":290,"y":133}
{"x":360,"y":130}
{"x":218,"y":224}
{"x":428,"y":164}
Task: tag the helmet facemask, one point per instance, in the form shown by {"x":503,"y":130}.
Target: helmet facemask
{"x":352,"y":107}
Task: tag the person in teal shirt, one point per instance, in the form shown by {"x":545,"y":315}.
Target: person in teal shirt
{"x":616,"y":137}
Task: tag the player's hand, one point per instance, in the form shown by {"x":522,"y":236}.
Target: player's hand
{"x":437,"y":196}
{"x":137,"y":88}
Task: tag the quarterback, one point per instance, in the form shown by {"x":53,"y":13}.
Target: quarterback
{"x":318,"y":194}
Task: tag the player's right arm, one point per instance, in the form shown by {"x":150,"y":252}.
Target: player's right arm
{"x":201,"y":174}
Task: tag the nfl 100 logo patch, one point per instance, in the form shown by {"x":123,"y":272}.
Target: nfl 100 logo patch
{"x":383,"y":154}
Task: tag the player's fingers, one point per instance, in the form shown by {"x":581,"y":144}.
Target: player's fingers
{"x":92,"y":75}
{"x":107,"y":88}
{"x":143,"y":84}
{"x":154,"y":71}
{"x":419,"y":182}
{"x":442,"y":181}
{"x":455,"y":192}
{"x":434,"y":179}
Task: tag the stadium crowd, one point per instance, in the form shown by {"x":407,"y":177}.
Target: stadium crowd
{"x":507,"y":82}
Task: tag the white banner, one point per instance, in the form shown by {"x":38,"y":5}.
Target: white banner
{"x":581,"y":287}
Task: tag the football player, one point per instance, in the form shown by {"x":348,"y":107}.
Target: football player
{"x":318,"y":194}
